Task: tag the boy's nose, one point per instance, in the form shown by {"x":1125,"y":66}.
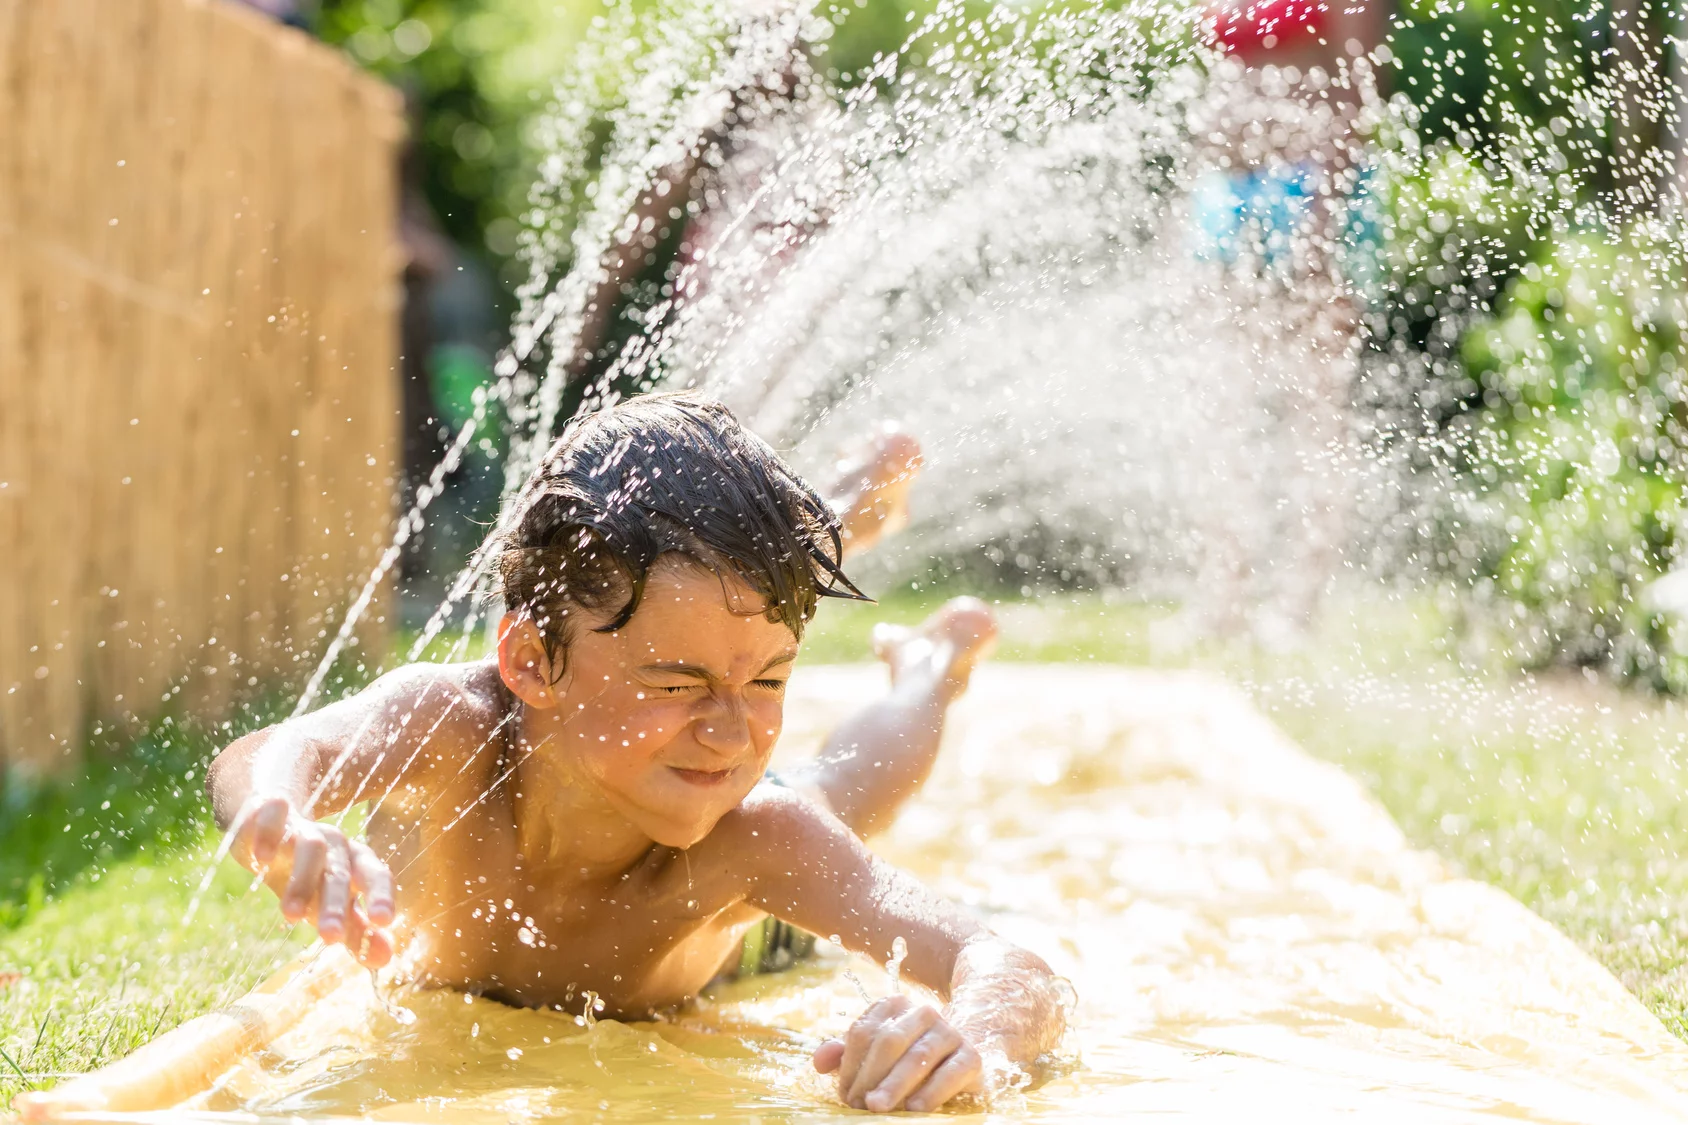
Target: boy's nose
{"x":726,"y":729}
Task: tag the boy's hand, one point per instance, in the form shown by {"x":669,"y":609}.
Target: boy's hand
{"x":901,"y":1056}
{"x":318,"y":872}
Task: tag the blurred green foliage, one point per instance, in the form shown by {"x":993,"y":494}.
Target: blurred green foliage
{"x":1580,"y":457}
{"x":477,"y":72}
{"x":1530,"y":347}
{"x":149,"y":794}
{"x":1491,"y":75}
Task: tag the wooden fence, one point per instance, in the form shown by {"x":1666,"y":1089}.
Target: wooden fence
{"x":199,"y":286}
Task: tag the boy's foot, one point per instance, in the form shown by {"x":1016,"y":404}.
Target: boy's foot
{"x":870,"y":493}
{"x":941,"y":651}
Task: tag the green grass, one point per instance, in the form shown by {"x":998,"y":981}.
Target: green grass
{"x":110,"y":961}
{"x":1567,"y":793}
{"x":96,"y":877}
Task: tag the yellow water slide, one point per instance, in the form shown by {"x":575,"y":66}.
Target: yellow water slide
{"x":1244,"y":926}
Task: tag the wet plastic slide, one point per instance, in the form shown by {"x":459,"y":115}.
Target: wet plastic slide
{"x":1246,"y":929}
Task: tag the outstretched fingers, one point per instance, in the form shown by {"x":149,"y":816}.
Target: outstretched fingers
{"x":374,"y":882}
{"x":350,"y":869}
{"x":373,"y":946}
{"x":261,"y":826}
{"x":310,"y":855}
{"x":320,"y":876}
{"x":335,"y":896}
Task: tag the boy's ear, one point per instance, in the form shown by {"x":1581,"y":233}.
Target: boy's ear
{"x":522,"y":663}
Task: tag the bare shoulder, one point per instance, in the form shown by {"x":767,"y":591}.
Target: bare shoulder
{"x":775,"y":824}
{"x":468,"y":692}
{"x":448,"y":706}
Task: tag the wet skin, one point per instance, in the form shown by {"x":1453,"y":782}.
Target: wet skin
{"x":538,"y":835}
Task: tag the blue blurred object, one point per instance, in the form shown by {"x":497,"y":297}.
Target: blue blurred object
{"x":1255,"y":213}
{"x":1362,"y":258}
{"x":1258,"y":214}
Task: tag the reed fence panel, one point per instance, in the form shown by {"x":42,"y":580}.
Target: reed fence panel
{"x":199,"y":290}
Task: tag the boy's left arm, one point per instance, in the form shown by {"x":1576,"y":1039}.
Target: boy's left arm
{"x":804,"y":866}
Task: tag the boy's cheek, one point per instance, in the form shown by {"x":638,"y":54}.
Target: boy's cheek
{"x":766,"y":722}
{"x":649,"y":729}
{"x":641,"y":723}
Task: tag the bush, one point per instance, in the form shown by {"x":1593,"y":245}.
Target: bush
{"x":1578,"y":451}
{"x":1527,"y":362}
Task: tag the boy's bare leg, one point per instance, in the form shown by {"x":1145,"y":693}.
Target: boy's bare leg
{"x":879,"y":757}
{"x":870,"y":493}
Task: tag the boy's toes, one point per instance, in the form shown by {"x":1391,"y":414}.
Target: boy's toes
{"x":896,"y":459}
{"x":888,"y":640}
{"x":945,"y":646}
{"x":967,"y":623}
{"x":965,"y":628}
{"x":871,"y":493}
{"x":896,"y":456}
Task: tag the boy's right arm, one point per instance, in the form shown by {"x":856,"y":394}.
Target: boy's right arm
{"x":267,"y":789}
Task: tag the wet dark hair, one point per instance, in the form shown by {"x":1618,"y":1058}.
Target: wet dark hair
{"x":665,"y":474}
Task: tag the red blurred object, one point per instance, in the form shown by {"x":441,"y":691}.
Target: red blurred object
{"x":1253,"y":32}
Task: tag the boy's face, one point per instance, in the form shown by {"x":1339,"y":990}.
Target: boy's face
{"x":674,"y":715}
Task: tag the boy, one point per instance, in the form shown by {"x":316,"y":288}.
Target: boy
{"x":589,"y":809}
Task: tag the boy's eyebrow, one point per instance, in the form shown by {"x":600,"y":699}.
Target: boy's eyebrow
{"x":676,"y":668}
{"x":680,"y":668}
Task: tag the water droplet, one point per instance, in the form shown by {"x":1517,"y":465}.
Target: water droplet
{"x":894,"y":967}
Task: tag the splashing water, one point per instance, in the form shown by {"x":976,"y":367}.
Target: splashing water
{"x":996,"y":236}
{"x":849,"y":974}
{"x":1003,"y":234}
{"x":395,"y":1011}
{"x":994,"y":250}
{"x":894,"y":964}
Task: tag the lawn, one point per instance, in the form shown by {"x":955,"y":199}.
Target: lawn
{"x":96,"y":881}
{"x":1565,"y":792}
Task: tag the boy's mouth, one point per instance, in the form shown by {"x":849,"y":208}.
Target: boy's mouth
{"x":706,"y":779}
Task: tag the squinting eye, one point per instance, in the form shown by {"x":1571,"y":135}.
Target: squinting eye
{"x":673,"y":690}
{"x":772,"y":685}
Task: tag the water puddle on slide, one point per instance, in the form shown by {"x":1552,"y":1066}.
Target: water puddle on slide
{"x":1245,"y":928}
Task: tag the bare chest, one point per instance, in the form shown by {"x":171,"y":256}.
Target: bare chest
{"x":483,"y":919}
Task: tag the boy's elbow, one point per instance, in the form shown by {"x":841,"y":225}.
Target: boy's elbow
{"x":224,"y":777}
{"x":215,"y":783}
